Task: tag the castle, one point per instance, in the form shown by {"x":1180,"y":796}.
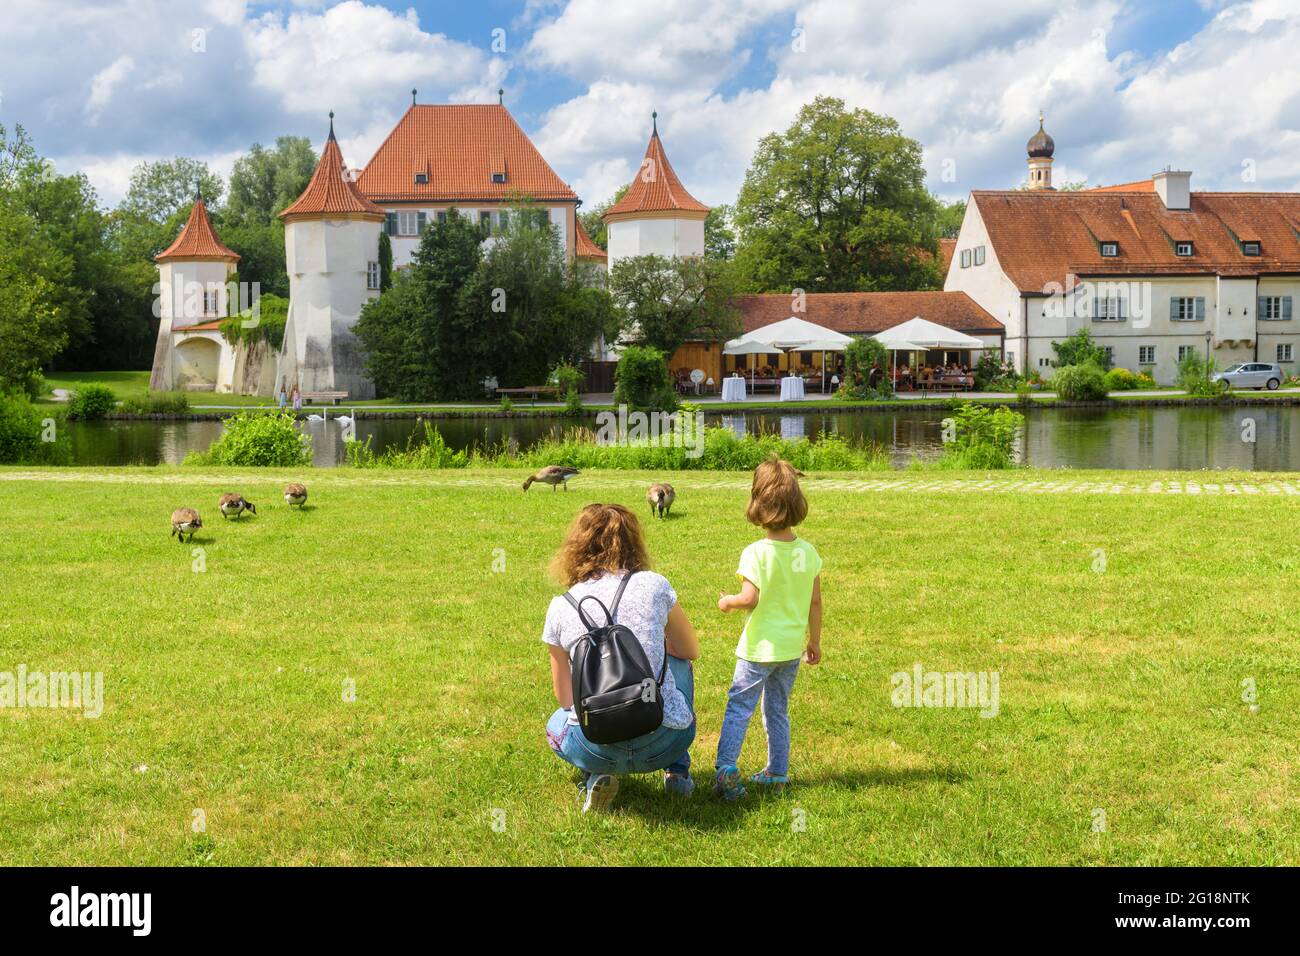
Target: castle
{"x":474,"y":159}
{"x":1152,"y":269}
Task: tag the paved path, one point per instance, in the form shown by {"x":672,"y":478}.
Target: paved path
{"x":884,"y":483}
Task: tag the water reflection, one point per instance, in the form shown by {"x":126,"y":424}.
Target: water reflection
{"x":1261,"y":438}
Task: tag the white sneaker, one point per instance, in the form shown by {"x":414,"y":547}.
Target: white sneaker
{"x":601,"y":790}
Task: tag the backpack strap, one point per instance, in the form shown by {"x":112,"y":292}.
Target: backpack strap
{"x":618,"y":595}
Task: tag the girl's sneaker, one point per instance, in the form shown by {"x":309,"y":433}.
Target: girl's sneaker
{"x":765,"y":778}
{"x":727,"y":784}
{"x":600,"y":792}
{"x":679,"y":784}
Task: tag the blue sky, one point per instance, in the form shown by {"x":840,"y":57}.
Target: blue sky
{"x":1128,"y":87}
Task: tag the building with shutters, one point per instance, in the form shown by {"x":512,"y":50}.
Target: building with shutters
{"x":1153,"y":269}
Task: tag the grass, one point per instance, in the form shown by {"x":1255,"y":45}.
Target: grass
{"x":1119,"y":690}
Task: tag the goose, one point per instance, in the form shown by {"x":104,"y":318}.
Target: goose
{"x":233,"y":505}
{"x":295,"y":494}
{"x":553,"y":475}
{"x":185,"y":520}
{"x":660,"y":496}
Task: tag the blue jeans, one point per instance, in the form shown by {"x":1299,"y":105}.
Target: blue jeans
{"x":773,"y":683}
{"x":665,"y":749}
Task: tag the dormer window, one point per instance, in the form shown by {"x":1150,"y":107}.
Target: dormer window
{"x":1250,"y":248}
{"x":498,"y":177}
{"x":1109,"y":250}
{"x":1182,"y":248}
{"x":421,"y":178}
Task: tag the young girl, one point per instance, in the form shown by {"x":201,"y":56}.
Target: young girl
{"x":780,"y":586}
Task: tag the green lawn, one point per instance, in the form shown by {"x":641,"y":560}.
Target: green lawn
{"x":1120,"y":691}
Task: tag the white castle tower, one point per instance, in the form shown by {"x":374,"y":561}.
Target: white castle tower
{"x":192,"y":276}
{"x":656,"y":216}
{"x":331,"y":250}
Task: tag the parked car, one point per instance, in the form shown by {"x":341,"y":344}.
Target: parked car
{"x":1251,"y":375}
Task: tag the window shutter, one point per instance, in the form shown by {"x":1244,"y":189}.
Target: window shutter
{"x":421,"y":219}
{"x":1122,"y":311}
{"x":1260,"y":308}
{"x":390,"y":223}
{"x":1200,"y":308}
{"x":1286,"y":307}
{"x":1096,"y":307}
{"x":1173,"y":308}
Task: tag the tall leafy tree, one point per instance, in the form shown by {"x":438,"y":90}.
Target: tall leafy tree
{"x":663,"y":302}
{"x":593,"y":219}
{"x":263,"y":182}
{"x":837,"y":203}
{"x":719,"y":235}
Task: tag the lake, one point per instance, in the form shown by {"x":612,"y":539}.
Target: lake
{"x":1159,"y":438}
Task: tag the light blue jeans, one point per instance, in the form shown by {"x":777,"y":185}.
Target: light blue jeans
{"x":773,"y":683}
{"x":666,"y":748}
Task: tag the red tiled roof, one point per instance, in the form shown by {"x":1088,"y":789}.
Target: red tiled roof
{"x":197,"y":240}
{"x":1141,"y":186}
{"x":459,"y":147}
{"x":655,"y":187}
{"x":946,"y":249}
{"x":586,"y":249}
{"x":330,"y":192}
{"x":866,"y":313}
{"x":212,"y":326}
{"x":1042,"y":238}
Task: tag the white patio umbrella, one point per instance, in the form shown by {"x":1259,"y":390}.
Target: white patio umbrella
{"x":919,"y":335}
{"x":741,"y":346}
{"x":795,"y":334}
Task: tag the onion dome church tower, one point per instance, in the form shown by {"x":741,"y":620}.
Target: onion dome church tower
{"x":331,"y":249}
{"x":656,"y":216}
{"x":192,"y":276}
{"x":1040,"y":148}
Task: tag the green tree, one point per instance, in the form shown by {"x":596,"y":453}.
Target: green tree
{"x":837,"y":203}
{"x":719,"y":236}
{"x":158,"y":191}
{"x":385,"y":262}
{"x":664,"y":302}
{"x":262,"y":183}
{"x":1080,"y":349}
{"x":948,"y":218}
{"x":33,"y":321}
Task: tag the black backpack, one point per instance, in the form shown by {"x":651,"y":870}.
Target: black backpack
{"x":615,"y":694}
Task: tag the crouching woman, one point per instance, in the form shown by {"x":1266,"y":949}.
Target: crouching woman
{"x":603,"y":546}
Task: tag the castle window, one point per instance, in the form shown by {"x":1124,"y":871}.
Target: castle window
{"x":485,"y":219}
{"x":1182,"y":248}
{"x":1185,"y":350}
{"x":1250,"y":248}
{"x":1187,"y":308}
{"x":1109,"y":250}
{"x":442,"y":216}
{"x":1275,"y":308}
{"x":1108,"y":309}
{"x":210,"y":303}
{"x":1284,"y":353}
{"x":372,"y":275}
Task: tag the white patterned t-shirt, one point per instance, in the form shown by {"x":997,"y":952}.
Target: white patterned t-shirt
{"x":644,"y":609}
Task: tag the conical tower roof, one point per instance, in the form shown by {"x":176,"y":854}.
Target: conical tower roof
{"x":198,"y":240}
{"x":330,"y":194}
{"x":656,"y":188}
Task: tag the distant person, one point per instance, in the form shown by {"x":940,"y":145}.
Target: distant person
{"x":780,"y":587}
{"x":284,"y":398}
{"x":297,"y":398}
{"x":604,"y":551}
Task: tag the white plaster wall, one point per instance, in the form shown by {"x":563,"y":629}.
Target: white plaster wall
{"x":404,"y":246}
{"x":987,"y":284}
{"x":660,"y":237}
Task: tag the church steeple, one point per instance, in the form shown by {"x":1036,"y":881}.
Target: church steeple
{"x":1040,"y":148}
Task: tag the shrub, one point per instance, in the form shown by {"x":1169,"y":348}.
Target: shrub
{"x":91,"y":401}
{"x":431,"y":453}
{"x":861,"y":357}
{"x":272,"y":317}
{"x":1122,"y":380}
{"x":642,"y":382}
{"x":980,"y":437}
{"x":257,"y":440}
{"x":1194,"y":373}
{"x":20,"y":431}
{"x":567,"y":378}
{"x":1080,"y":383}
{"x":506,"y":404}
{"x":158,"y":403}
{"x":1080,"y":349}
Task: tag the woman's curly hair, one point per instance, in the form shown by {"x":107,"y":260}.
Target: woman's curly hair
{"x":602,"y":538}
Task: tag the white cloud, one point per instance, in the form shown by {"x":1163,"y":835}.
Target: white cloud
{"x":105,"y":82}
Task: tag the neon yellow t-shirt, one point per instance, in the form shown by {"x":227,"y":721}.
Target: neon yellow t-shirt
{"x":783,"y":572}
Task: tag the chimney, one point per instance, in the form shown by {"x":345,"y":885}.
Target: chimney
{"x":1174,"y":186}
